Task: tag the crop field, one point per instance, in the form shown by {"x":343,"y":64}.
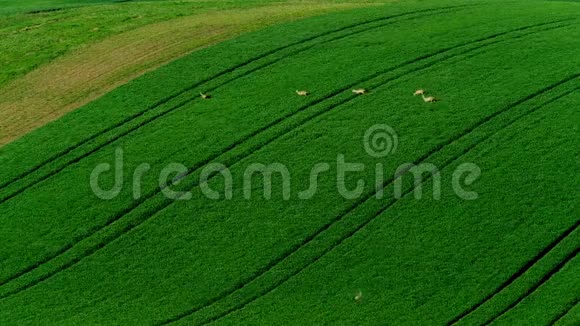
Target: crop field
{"x":208,"y":189}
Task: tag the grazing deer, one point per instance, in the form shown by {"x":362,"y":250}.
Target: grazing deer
{"x":302,"y":93}
{"x":360,"y":91}
{"x":419,"y":92}
{"x":358,"y":297}
{"x":204,"y":96}
{"x":429,"y":99}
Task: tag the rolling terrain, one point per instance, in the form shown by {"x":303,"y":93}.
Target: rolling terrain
{"x":506,"y":75}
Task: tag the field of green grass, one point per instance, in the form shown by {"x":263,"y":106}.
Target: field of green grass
{"x":507,"y":75}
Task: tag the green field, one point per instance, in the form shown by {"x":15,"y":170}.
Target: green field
{"x":507,"y":75}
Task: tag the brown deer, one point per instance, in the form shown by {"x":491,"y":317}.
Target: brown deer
{"x":429,"y":99}
{"x":419,"y":92}
{"x":359,"y":296}
{"x":360,"y":91}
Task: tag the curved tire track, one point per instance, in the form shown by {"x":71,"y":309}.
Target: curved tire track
{"x":315,"y":235}
{"x":166,"y":100}
{"x":198,"y":166}
{"x":531,"y":290}
{"x":564,"y":313}
{"x":517,"y":275}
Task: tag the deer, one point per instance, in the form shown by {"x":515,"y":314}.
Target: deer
{"x":302,"y":93}
{"x":429,"y":99}
{"x":360,"y":91}
{"x":204,"y":96}
{"x":419,"y":92}
{"x":358,"y":297}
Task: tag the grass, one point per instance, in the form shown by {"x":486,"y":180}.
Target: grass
{"x":255,"y":261}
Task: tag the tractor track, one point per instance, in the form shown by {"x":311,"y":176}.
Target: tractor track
{"x":341,"y":216}
{"x":541,"y":282}
{"x":517,"y":275}
{"x":167,"y":203}
{"x":564,"y":313}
